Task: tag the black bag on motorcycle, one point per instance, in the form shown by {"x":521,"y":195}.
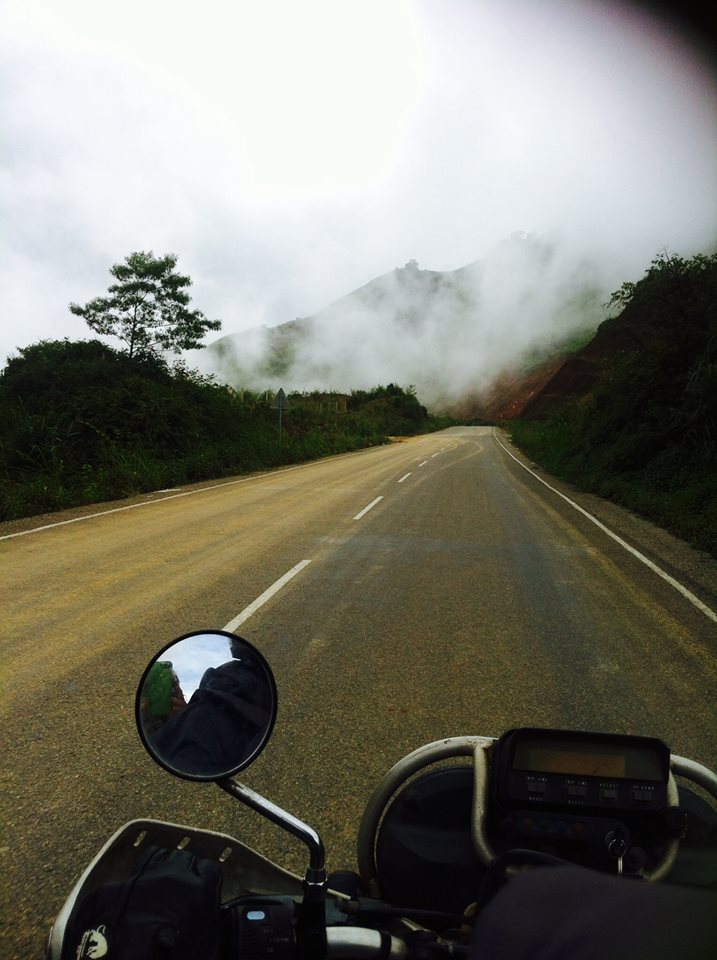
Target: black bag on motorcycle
{"x":168,"y":909}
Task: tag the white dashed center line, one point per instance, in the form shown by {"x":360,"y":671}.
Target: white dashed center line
{"x":369,"y":507}
{"x":266,"y":595}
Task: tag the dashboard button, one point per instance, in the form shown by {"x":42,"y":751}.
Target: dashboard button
{"x":537,"y":788}
{"x":642,"y":794}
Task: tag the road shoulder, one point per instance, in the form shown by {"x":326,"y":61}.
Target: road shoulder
{"x":695,"y":569}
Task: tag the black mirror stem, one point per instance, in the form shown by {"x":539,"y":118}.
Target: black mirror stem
{"x":316,"y":874}
{"x":311,"y":928}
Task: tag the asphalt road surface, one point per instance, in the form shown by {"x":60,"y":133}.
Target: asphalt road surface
{"x":469,"y":598}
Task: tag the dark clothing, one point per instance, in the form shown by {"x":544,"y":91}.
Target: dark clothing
{"x":222,"y":725}
{"x":569,"y":913}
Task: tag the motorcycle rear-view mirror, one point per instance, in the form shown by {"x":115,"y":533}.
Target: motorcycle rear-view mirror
{"x":206,"y":705}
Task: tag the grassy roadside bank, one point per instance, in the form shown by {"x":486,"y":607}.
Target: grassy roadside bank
{"x":677,"y":490}
{"x":632,"y":417}
{"x":81,"y":423}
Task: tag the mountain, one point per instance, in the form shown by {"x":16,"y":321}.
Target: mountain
{"x":448,"y":333}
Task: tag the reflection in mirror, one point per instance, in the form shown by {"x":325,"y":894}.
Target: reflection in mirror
{"x":206,"y":705}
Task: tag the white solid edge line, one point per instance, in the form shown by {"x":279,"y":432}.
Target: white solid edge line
{"x":369,"y":507}
{"x":687,"y":594}
{"x":185,"y":493}
{"x":405,"y":477}
{"x":266,"y":595}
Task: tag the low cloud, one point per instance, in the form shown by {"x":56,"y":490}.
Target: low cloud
{"x":251,"y":140}
{"x":449,"y":334}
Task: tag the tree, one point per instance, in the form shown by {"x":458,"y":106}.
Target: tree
{"x":147,"y":308}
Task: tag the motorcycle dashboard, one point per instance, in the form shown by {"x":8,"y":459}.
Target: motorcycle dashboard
{"x":587,"y":798}
{"x":602,"y":758}
{"x":559,"y":768}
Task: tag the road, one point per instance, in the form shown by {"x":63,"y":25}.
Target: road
{"x":469,"y":598}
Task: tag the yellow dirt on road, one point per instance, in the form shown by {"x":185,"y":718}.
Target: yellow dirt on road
{"x":446,"y":592}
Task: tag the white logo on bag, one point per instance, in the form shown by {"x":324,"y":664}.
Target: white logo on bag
{"x":93,"y":944}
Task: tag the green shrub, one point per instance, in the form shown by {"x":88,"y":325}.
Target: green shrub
{"x":81,"y":423}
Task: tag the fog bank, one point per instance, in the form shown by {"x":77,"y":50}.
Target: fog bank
{"x":447,"y":333}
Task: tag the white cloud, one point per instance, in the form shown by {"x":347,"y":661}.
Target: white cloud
{"x":289,"y":152}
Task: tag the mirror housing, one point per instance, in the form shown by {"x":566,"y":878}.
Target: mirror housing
{"x":206,"y":705}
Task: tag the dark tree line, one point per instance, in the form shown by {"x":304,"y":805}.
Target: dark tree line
{"x":81,"y":422}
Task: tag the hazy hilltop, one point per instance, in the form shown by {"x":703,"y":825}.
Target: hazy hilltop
{"x":450,"y":333}
{"x":652,"y":359}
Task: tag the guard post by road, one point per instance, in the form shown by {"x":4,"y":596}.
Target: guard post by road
{"x":280,"y":403}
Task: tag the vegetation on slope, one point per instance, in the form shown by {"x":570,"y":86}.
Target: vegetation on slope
{"x":645,"y":434}
{"x":81,"y":422}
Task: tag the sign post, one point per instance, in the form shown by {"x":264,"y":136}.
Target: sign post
{"x":280,"y":404}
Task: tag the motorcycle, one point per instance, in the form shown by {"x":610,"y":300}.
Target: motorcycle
{"x":445,"y":830}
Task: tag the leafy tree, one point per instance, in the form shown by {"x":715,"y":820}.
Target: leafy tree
{"x":148,"y":307}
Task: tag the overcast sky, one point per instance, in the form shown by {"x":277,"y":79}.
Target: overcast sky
{"x":288,"y":152}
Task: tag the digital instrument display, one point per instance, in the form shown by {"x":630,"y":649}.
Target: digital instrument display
{"x":573,"y":792}
{"x":581,"y":758}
